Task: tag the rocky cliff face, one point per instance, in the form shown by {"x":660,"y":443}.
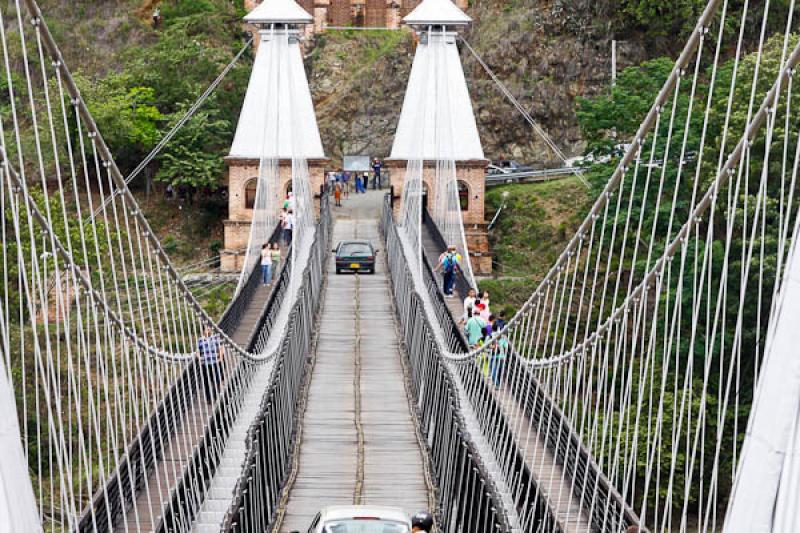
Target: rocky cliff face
{"x":358,"y":82}
{"x":546,"y":52}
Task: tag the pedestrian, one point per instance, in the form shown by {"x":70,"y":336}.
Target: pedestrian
{"x":210,"y":352}
{"x":360,"y":185}
{"x":275,"y":256}
{"x":488,"y":331}
{"x":422,"y":522}
{"x":449,"y":265}
{"x":469,"y":303}
{"x":483,"y":310}
{"x":337,"y":193}
{"x":376,"y":169}
{"x":346,"y":180}
{"x":331,"y":181}
{"x":500,"y":322}
{"x":497,"y":359}
{"x":288,"y":227}
{"x":282,"y":219}
{"x":365,"y":180}
{"x":474,"y":330}
{"x":266,"y":264}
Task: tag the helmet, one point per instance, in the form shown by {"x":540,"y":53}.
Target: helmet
{"x":422,"y":520}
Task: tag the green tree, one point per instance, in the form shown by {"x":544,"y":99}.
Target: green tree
{"x":126,"y":114}
{"x":194,"y":156}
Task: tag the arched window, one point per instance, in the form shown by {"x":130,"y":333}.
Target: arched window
{"x":463,"y":195}
{"x":250,"y":189}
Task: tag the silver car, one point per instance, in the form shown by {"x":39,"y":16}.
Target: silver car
{"x":360,"y":519}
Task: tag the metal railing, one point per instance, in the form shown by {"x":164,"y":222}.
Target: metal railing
{"x":270,"y":438}
{"x":189,"y":494}
{"x":530,"y":176}
{"x":612,"y":514}
{"x":117,"y":495}
{"x":238,"y":306}
{"x":468,"y":500}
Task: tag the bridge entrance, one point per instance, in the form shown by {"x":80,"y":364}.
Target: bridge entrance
{"x":358,"y":442}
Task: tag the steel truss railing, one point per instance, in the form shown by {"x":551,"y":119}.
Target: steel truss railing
{"x":270,"y":439}
{"x":542,"y":411}
{"x":120,"y":491}
{"x":468,"y":501}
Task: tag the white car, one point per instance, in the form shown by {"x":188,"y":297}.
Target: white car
{"x":360,"y":519}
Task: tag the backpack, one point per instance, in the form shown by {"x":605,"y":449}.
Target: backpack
{"x":449,"y":264}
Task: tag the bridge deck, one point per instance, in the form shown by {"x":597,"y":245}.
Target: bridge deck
{"x":170,"y":466}
{"x":358,"y":440}
{"x":552,"y":479}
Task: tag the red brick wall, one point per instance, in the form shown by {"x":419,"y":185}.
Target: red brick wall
{"x":340,"y":13}
{"x":408,"y":6}
{"x":308,"y":5}
{"x":376,"y":13}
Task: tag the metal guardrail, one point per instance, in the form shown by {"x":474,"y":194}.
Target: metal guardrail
{"x":188,"y":495}
{"x":610,"y":513}
{"x":269,"y":446}
{"x":533,"y":176}
{"x":457,"y":470}
{"x":118,"y":494}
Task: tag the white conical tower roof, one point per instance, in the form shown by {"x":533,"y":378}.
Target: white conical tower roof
{"x":277,"y":119}
{"x":279,"y":12}
{"x":437,"y":121}
{"x":437,"y":12}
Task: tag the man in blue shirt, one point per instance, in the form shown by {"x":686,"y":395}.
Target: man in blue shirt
{"x":210,"y":352}
{"x":376,"y":168}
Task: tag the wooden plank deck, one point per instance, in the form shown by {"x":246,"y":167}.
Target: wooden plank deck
{"x":359,"y":443}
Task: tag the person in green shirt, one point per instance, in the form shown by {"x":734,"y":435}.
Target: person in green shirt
{"x":474,"y":330}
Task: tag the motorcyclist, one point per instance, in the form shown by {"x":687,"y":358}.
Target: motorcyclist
{"x":422,"y":521}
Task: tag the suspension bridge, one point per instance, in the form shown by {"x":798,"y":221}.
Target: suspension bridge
{"x":649,"y":382}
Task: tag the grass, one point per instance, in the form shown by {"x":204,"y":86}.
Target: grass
{"x":533,"y":229}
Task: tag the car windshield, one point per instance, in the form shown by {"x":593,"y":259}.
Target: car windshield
{"x":365,"y":526}
{"x":355,"y":249}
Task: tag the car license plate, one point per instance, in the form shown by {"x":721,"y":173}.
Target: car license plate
{"x":355,"y":265}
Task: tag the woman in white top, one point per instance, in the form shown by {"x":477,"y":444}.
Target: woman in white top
{"x":266,"y":264}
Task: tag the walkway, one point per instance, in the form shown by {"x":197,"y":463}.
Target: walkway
{"x":169,"y":467}
{"x":553,"y":482}
{"x":220,"y":493}
{"x":358,"y":439}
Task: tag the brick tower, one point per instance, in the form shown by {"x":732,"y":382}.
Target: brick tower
{"x":277,"y":122}
{"x":437,"y":125}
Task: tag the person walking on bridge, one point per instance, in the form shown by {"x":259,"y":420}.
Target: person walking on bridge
{"x":210,"y":351}
{"x":449,"y":264}
{"x":376,"y":168}
{"x":266,"y":264}
{"x":275,"y":257}
{"x":337,"y":193}
{"x":288,"y":227}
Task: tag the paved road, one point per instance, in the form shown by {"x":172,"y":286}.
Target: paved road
{"x":358,"y":441}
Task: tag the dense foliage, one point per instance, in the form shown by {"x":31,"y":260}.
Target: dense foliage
{"x":752,"y":260}
{"x":139,"y":101}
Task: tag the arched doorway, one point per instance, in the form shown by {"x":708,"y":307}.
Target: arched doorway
{"x":463,"y":195}
{"x":250,"y":191}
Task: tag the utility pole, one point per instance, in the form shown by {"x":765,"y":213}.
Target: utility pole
{"x":613,"y":62}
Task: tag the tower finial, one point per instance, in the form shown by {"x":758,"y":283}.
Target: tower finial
{"x":437,"y":13}
{"x":278,"y":12}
